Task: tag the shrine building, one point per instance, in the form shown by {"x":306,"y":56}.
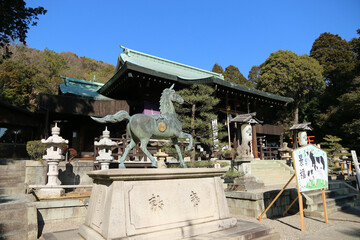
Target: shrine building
{"x":136,"y":87}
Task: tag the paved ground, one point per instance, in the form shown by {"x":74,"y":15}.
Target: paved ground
{"x":341,"y":225}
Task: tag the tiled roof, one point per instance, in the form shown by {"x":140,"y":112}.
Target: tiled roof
{"x":81,"y":88}
{"x":179,"y":73}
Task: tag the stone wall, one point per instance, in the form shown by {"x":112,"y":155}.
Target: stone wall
{"x":253,"y":204}
{"x":70,"y":173}
{"x":61,"y":211}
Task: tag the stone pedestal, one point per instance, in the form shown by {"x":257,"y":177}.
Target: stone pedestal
{"x":244,"y":183}
{"x":104,"y":165}
{"x":156,"y":204}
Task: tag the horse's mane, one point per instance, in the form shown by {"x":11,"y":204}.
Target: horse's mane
{"x":164,"y":102}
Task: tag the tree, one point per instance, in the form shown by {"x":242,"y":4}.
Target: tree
{"x":233,"y":74}
{"x":287,"y":74}
{"x":334,"y":148}
{"x":349,"y":111}
{"x":197,"y":113}
{"x":15,"y":82}
{"x":29,"y":72}
{"x":15,"y":21}
{"x":217,"y":68}
{"x":253,"y":76}
{"x":338,"y":61}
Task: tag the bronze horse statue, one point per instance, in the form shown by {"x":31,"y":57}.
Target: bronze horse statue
{"x":142,"y":127}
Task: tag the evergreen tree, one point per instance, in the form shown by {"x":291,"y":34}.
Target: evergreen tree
{"x":217,"y":68}
{"x":287,"y":74}
{"x":233,"y":74}
{"x":333,"y":148}
{"x":197,"y":113}
{"x":338,"y":61}
{"x":253,"y":76}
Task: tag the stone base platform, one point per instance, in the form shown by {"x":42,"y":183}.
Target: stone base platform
{"x":243,"y":230}
{"x":49,"y":193}
{"x":156,"y":204}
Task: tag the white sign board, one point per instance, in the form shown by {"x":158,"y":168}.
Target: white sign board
{"x":311,"y":168}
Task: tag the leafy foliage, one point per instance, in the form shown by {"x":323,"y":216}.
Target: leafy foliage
{"x":253,"y":76}
{"x":287,"y":74}
{"x":35,"y":149}
{"x":233,"y":74}
{"x":197,"y":113}
{"x":334,"y":148}
{"x":29,"y":72}
{"x":337,"y":59}
{"x":338,"y":109}
{"x":15,"y":21}
{"x":217,"y":68}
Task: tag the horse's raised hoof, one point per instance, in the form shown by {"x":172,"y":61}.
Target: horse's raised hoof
{"x":183,"y":165}
{"x":154,"y":165}
{"x":122,"y":165}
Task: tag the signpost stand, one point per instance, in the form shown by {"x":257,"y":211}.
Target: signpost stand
{"x":277,"y":196}
{"x":356,"y":165}
{"x":311,"y":172}
{"x":324,"y":205}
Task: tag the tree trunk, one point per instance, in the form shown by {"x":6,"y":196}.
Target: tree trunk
{"x":296,"y":113}
{"x":193,"y":133}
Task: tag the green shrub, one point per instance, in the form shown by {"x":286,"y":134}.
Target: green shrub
{"x":201,"y":164}
{"x":35,"y":149}
{"x":233,"y":174}
{"x":224,"y":164}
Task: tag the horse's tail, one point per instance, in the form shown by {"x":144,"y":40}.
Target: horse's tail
{"x":117,"y":117}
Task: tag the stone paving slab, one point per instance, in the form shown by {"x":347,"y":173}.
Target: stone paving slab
{"x":243,"y":230}
{"x":341,"y":225}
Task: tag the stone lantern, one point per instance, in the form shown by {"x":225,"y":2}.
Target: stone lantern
{"x":245,"y":152}
{"x":160,"y":156}
{"x":53,"y":155}
{"x":105,"y":144}
{"x":299,"y":131}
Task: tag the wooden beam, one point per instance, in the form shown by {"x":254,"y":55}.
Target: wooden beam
{"x":277,"y":196}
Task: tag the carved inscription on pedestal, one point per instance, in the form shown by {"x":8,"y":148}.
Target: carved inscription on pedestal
{"x":194,"y":198}
{"x":156,"y":203}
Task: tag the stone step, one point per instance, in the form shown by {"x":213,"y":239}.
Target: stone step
{"x":14,"y":235}
{"x":262,"y":172}
{"x":11,"y":174}
{"x":332,"y":209}
{"x":336,"y":184}
{"x":10,"y":226}
{"x":12,"y":190}
{"x":13,"y":214}
{"x":257,"y":166}
{"x":14,"y":165}
{"x":317,"y":195}
{"x":284,"y":178}
{"x":332,"y":202}
{"x":280,"y":183}
{"x":12,"y":182}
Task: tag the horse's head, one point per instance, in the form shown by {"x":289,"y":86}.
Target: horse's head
{"x":173,"y":96}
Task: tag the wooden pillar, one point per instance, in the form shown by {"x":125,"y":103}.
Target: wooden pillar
{"x":295,"y":145}
{"x":236,"y":136}
{"x":254,"y":142}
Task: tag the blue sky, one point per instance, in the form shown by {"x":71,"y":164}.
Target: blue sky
{"x":196,"y":33}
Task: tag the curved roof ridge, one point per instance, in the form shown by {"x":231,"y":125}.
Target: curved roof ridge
{"x":129,"y":55}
